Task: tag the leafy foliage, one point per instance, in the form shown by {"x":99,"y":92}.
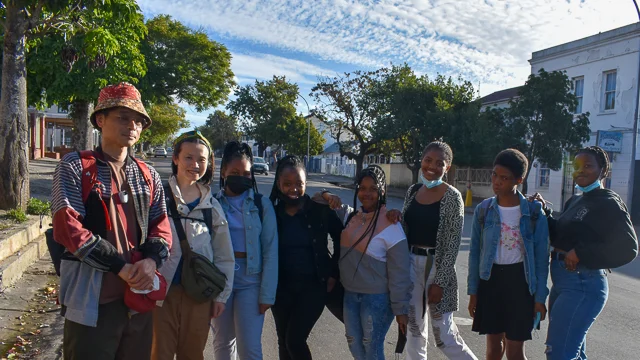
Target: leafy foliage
{"x":167,"y":120}
{"x":38,"y":207}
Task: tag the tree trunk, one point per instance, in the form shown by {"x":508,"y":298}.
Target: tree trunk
{"x":14,"y":131}
{"x":82,"y":128}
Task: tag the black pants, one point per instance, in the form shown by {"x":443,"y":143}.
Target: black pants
{"x":117,"y":335}
{"x":297,"y":309}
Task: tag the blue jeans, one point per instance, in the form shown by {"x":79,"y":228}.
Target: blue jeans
{"x":239,"y":328}
{"x":367,"y":318}
{"x":576,"y":300}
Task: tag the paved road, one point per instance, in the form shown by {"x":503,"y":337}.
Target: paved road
{"x":613,"y":337}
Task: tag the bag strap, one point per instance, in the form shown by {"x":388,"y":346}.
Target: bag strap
{"x":177,"y":222}
{"x":533,"y":215}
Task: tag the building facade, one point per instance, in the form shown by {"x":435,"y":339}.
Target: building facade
{"x":604,"y":72}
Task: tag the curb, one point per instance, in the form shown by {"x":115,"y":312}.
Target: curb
{"x":21,"y":250}
{"x":17,"y":241}
{"x":12,"y":268}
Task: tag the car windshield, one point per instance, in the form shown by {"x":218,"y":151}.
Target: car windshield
{"x":258,"y":160}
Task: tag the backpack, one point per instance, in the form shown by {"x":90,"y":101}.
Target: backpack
{"x":484,"y":209}
{"x":89,"y":180}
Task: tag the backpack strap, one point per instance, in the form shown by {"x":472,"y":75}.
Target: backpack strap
{"x":89,"y":181}
{"x":146,"y":174}
{"x":482,"y":212}
{"x":257,"y":200}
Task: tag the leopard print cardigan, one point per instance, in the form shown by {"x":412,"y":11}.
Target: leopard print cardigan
{"x":447,"y":244}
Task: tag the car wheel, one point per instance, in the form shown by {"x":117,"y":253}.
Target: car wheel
{"x":266,"y":173}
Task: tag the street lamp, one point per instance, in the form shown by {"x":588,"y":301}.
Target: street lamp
{"x":633,"y":208}
{"x":308,"y":125}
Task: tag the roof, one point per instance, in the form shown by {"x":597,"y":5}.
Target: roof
{"x":333,"y":148}
{"x":502,"y":95}
{"x":624,"y":32}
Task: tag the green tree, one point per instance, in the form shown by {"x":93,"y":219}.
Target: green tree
{"x":21,"y":22}
{"x":296,"y":141}
{"x":167,"y":119}
{"x":184,"y":65}
{"x":352,"y":106}
{"x":220,"y":128}
{"x":543,"y":114}
{"x":266,"y":110}
{"x":70,"y":69}
{"x":419,"y":109}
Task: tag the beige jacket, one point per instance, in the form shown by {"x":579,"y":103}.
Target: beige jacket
{"x":217,"y":249}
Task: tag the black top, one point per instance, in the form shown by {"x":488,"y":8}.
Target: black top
{"x":295,"y":248}
{"x":422,"y":223}
{"x":597,"y":225}
{"x":320,"y":221}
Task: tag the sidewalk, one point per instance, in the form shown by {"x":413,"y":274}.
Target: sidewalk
{"x":346,"y":182}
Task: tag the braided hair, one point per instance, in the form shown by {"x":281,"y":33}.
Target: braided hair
{"x":235,"y":150}
{"x":438,"y":144}
{"x":376,"y":173}
{"x":289,"y":161}
{"x":602,"y":158}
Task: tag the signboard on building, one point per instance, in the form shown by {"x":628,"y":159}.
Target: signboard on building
{"x":610,"y":141}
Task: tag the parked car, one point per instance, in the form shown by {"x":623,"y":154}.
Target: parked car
{"x":260,"y":166}
{"x":160,"y":152}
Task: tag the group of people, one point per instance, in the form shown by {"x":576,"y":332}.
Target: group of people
{"x":148,"y":270}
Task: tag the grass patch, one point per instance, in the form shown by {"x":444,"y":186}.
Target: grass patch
{"x":16,"y":215}
{"x":4,"y":226}
{"x":38,"y":207}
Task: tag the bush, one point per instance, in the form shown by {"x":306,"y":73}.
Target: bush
{"x":17,"y":215}
{"x":38,"y":207}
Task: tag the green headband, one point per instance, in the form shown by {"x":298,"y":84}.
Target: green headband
{"x":193,"y":134}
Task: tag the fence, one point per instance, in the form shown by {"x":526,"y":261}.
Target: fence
{"x":342,"y":170}
{"x":480,"y":180}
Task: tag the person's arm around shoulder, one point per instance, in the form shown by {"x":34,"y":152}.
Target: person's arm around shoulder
{"x":269,"y":242}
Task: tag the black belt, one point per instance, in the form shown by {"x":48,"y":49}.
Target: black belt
{"x":422,"y":251}
{"x":557,"y":256}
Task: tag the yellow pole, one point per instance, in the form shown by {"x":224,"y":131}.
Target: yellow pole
{"x":469,"y":198}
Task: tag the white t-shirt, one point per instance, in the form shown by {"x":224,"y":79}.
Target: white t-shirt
{"x":511,"y":246}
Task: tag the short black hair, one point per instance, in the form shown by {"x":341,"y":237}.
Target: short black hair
{"x":442,"y":146}
{"x":514,"y":160}
{"x":236,"y":150}
{"x":602,"y":158}
{"x":289,"y":161}
{"x":208,"y":175}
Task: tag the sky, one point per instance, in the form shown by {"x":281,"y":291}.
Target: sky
{"x":487,"y":42}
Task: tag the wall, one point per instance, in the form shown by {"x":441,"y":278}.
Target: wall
{"x":590,"y":58}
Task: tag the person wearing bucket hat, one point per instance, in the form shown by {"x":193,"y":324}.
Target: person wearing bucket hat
{"x":109,"y":211}
{"x":199,"y":225}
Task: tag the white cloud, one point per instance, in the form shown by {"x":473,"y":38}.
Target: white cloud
{"x":483,"y":40}
{"x":264,"y":66}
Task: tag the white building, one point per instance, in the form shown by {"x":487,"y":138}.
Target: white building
{"x":325,"y":130}
{"x":604,"y":69}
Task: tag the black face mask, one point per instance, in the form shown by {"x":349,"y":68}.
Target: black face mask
{"x":238,"y":184}
{"x":289,"y":201}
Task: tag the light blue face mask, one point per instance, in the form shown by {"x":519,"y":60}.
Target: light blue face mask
{"x":593,"y":186}
{"x":429,"y":183}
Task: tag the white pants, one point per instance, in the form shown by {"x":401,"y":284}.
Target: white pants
{"x":445,"y":331}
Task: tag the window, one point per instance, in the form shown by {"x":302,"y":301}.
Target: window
{"x":578,"y":90}
{"x":609,"y":90}
{"x":543,"y":177}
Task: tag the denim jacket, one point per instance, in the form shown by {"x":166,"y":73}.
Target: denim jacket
{"x":261,"y":242}
{"x":536,"y":245}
